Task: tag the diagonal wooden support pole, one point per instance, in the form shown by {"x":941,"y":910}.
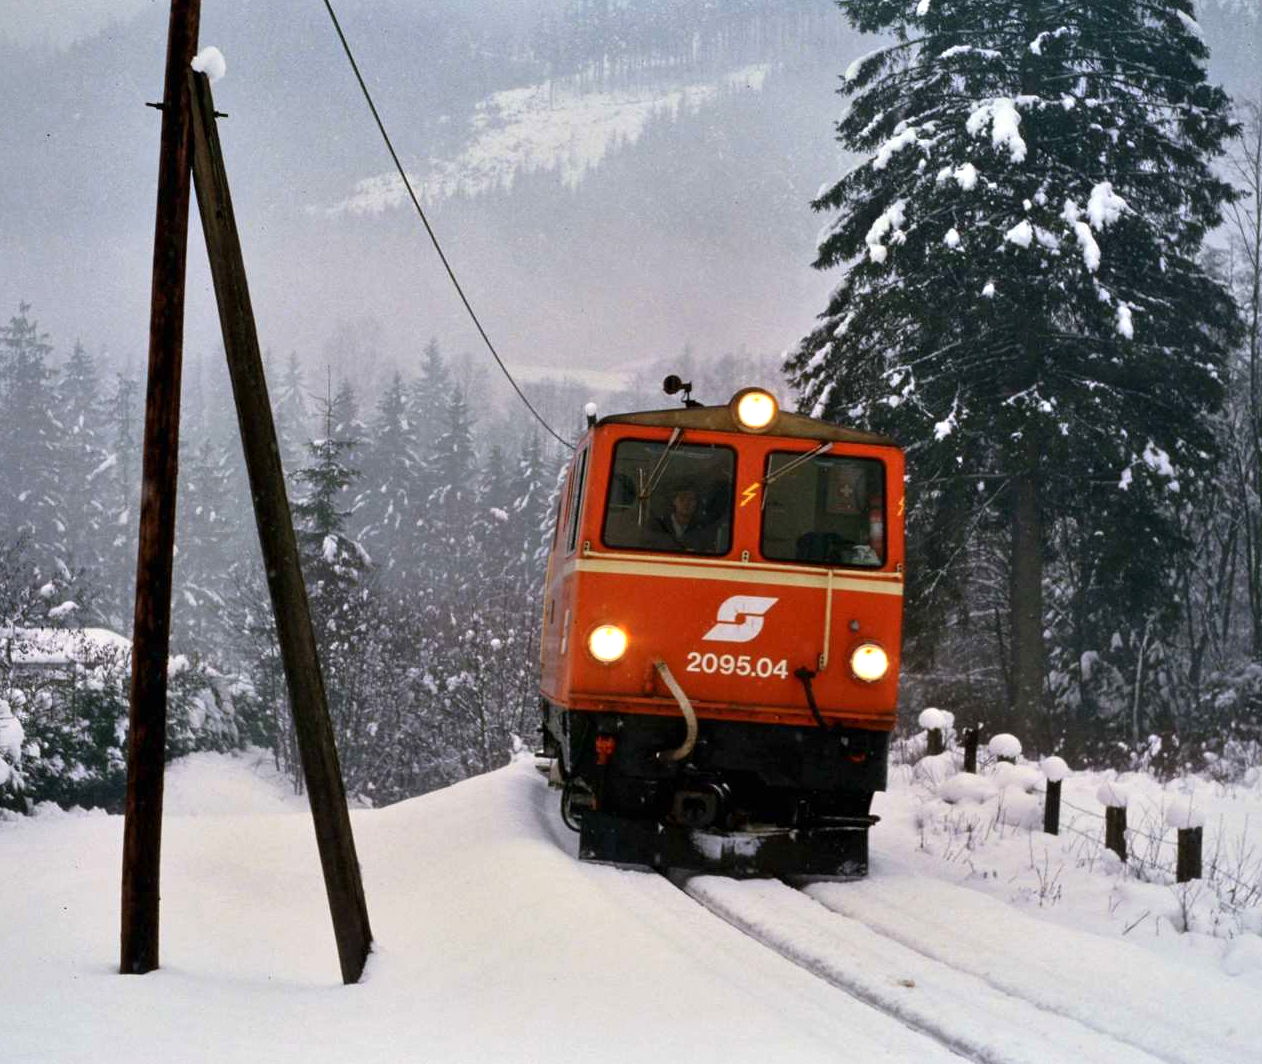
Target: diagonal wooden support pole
{"x":316,"y":746}
{"x":151,"y":630}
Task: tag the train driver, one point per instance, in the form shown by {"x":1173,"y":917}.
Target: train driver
{"x":683,"y":525}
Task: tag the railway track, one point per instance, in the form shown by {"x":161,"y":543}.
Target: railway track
{"x":983,"y":980}
{"x":960,"y":1010}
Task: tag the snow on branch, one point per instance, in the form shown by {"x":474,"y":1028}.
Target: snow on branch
{"x":1004,"y":121}
{"x":889,"y":224}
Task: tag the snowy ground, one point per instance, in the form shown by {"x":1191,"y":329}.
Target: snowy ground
{"x":493,"y":944}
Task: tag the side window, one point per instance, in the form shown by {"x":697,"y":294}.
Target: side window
{"x":676,"y":499}
{"x":576,"y":506}
{"x":556,"y":521}
{"x":564,"y":500}
{"x":829,"y":510}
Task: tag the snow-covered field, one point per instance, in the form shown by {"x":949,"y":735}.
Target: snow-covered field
{"x":492,"y":943}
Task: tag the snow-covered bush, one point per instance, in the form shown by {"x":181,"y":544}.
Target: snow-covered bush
{"x":67,"y":693}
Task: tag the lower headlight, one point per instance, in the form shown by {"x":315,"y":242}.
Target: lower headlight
{"x":869,"y":662}
{"x":607,"y":643}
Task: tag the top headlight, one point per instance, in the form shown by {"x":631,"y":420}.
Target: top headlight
{"x":754,"y":409}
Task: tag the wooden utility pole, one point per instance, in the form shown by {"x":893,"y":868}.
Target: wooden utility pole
{"x":151,"y":632}
{"x":316,"y":745}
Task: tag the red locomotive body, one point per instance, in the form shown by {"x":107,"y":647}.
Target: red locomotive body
{"x":722,"y":620}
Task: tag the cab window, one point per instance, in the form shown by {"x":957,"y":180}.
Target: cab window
{"x":827,"y":510}
{"x":676,"y":499}
{"x":576,"y":510}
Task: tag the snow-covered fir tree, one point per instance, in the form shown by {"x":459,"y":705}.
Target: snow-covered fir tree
{"x":451,"y":470}
{"x":428,"y":396}
{"x":31,"y":497}
{"x":118,"y":487}
{"x":1021,"y":303}
{"x":337,"y":571}
{"x":83,"y":458}
{"x":342,"y":412}
{"x":392,"y":484}
{"x":207,"y":538}
{"x":292,"y":413}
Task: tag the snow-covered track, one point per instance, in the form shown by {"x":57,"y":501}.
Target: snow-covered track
{"x":963,"y":1011}
{"x":1109,"y":986}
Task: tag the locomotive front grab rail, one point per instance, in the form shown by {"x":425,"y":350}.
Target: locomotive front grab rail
{"x":685,"y":707}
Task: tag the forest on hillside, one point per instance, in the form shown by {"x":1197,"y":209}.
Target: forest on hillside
{"x":423,"y":505}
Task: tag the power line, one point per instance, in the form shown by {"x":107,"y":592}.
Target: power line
{"x":429,"y":229}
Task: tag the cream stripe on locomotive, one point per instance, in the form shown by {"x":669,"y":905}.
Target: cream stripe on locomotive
{"x":745,"y":573}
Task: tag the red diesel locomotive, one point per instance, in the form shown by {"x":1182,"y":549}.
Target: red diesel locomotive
{"x":721,"y":631}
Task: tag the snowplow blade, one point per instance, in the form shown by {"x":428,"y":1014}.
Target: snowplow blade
{"x":837,"y":848}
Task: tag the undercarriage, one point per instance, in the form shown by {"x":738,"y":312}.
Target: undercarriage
{"x":748,"y":799}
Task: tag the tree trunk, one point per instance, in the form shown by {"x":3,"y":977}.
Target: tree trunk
{"x":1025,"y":601}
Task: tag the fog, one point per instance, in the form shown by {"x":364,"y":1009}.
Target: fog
{"x":673,"y":209}
{"x":656,"y":200}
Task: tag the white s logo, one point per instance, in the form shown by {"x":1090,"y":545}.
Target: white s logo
{"x":728,"y":630}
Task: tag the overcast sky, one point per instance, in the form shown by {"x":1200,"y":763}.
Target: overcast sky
{"x":61,"y":22}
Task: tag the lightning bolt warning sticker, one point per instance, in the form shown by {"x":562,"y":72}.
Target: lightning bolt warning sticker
{"x":748,"y":494}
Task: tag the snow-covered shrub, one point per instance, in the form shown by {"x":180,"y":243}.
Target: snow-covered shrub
{"x":12,"y":739}
{"x":1221,"y":734}
{"x":68,"y":693}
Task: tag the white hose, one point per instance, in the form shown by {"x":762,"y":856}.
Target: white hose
{"x":685,"y":707}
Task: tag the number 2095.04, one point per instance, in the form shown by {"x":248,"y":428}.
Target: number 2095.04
{"x":736,"y":665}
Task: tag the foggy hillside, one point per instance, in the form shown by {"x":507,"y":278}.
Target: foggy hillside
{"x":656,"y":195}
{"x":699,"y":141}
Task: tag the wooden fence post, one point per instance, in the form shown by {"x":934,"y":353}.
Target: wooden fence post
{"x":1114,"y":798}
{"x":1115,"y":829}
{"x":1188,"y":821}
{"x":1054,"y":771}
{"x":1051,"y":808}
{"x":1189,"y":859}
{"x":971,"y":736}
{"x":316,"y":746}
{"x":1005,"y":747}
{"x":934,"y":723}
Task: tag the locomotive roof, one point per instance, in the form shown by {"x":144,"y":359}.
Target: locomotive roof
{"x":720,"y":419}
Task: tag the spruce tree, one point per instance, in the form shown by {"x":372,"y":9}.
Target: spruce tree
{"x":341,"y":413}
{"x":292,"y":414}
{"x":337,"y":571}
{"x":429,"y":395}
{"x":451,"y":470}
{"x":332,"y":562}
{"x":83,"y":459}
{"x":119,"y":493}
{"x":1021,"y":304}
{"x":492,"y":522}
{"x":206,"y":550}
{"x":392,"y":483}
{"x":31,"y":500}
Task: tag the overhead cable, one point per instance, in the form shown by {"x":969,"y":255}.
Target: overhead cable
{"x":429,"y":229}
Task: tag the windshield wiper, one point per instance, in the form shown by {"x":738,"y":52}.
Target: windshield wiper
{"x":649,"y":485}
{"x":771,"y":478}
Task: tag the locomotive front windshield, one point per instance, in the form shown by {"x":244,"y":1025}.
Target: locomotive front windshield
{"x":826,"y":510}
{"x":670,"y":497}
